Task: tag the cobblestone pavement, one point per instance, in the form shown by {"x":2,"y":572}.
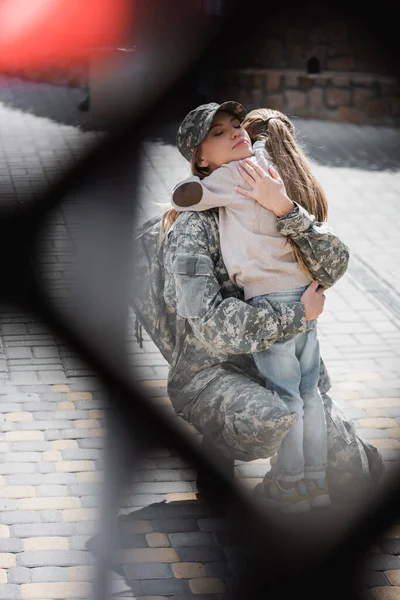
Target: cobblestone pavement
{"x":53,"y":408}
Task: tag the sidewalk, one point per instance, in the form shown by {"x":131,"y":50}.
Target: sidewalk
{"x":52,"y":406}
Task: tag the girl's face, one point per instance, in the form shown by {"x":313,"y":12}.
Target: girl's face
{"x":226,"y":141}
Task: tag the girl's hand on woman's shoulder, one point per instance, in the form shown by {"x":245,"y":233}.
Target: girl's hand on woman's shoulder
{"x":267,"y":187}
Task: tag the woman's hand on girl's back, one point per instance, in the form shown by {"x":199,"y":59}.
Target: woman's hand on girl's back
{"x":267,"y":187}
{"x":313,"y":300}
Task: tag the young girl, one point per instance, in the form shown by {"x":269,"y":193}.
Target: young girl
{"x":266,"y":265}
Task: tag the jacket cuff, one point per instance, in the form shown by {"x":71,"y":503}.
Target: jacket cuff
{"x":296,"y":222}
{"x":293,"y":319}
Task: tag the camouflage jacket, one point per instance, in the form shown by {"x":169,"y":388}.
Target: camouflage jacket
{"x":214,"y":325}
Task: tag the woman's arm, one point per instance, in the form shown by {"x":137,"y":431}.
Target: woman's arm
{"x":326,"y":256}
{"x":229,"y":324}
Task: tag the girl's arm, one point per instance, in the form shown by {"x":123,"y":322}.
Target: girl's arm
{"x":217,"y":189}
{"x":327,"y":257}
{"x":226,"y":324}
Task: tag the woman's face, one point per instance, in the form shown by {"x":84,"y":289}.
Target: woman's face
{"x":226,"y":141}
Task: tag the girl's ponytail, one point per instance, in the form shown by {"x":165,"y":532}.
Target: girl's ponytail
{"x":277,"y":131}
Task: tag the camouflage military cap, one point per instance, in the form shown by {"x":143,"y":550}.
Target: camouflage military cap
{"x":197,"y":123}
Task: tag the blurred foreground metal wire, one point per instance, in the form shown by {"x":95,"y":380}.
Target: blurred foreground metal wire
{"x":313,"y":558}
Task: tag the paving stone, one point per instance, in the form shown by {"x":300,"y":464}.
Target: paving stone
{"x":91,"y":501}
{"x":28,"y":446}
{"x":45,"y":543}
{"x":10,"y":592}
{"x":51,"y":490}
{"x":81,"y":573}
{"x":187,"y":570}
{"x":64,"y":445}
{"x":45,"y":425}
{"x":4,"y":531}
{"x":213,"y":525}
{"x":219,"y":569}
{"x":86,"y":527}
{"x":74,"y":466}
{"x":7,"y":560}
{"x":91,"y":443}
{"x":207,"y":585}
{"x":10,"y":545}
{"x":386,"y":593}
{"x":56,"y":558}
{"x":55,"y":591}
{"x":186,"y":509}
{"x":148,"y":555}
{"x":390,"y":546}
{"x":50,"y":503}
{"x":12,"y":517}
{"x":37,"y":406}
{"x":175,"y":525}
{"x":81,"y":454}
{"x":382,"y":562}
{"x":87,"y":404}
{"x":19,"y":416}
{"x":84,"y":489}
{"x":45,"y":467}
{"x":16,"y":467}
{"x":62,"y":415}
{"x":77,"y":542}
{"x":148,"y":571}
{"x":8,"y":504}
{"x":171,"y":463}
{"x":74,"y":396}
{"x":19,"y":575}
{"x":22,"y":457}
{"x":21,"y":436}
{"x":201,"y":554}
{"x":18,"y":352}
{"x":374,"y":579}
{"x":8,"y":407}
{"x":42,"y":529}
{"x":89,"y":477}
{"x":164,"y":586}
{"x":191,"y":539}
{"x":46,"y":574}
{"x":388,"y":454}
{"x":10,"y":491}
{"x":65,"y":406}
{"x":393,"y":577}
{"x":46,"y":352}
{"x":79,"y":514}
{"x":73,"y":434}
{"x":157,"y":540}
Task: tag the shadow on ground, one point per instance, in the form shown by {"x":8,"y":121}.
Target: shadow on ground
{"x":179,"y":533}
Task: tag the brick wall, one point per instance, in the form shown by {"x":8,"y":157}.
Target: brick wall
{"x":357,"y":80}
{"x":334,"y":96}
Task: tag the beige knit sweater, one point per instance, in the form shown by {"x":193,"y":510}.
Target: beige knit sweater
{"x":258,"y":258}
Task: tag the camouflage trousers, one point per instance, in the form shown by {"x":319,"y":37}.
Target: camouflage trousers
{"x":243,"y":420}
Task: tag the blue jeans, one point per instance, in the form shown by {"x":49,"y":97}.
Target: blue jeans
{"x":291,"y":368}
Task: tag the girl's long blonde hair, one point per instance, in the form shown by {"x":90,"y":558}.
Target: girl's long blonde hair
{"x":292,"y":164}
{"x":277,"y":131}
